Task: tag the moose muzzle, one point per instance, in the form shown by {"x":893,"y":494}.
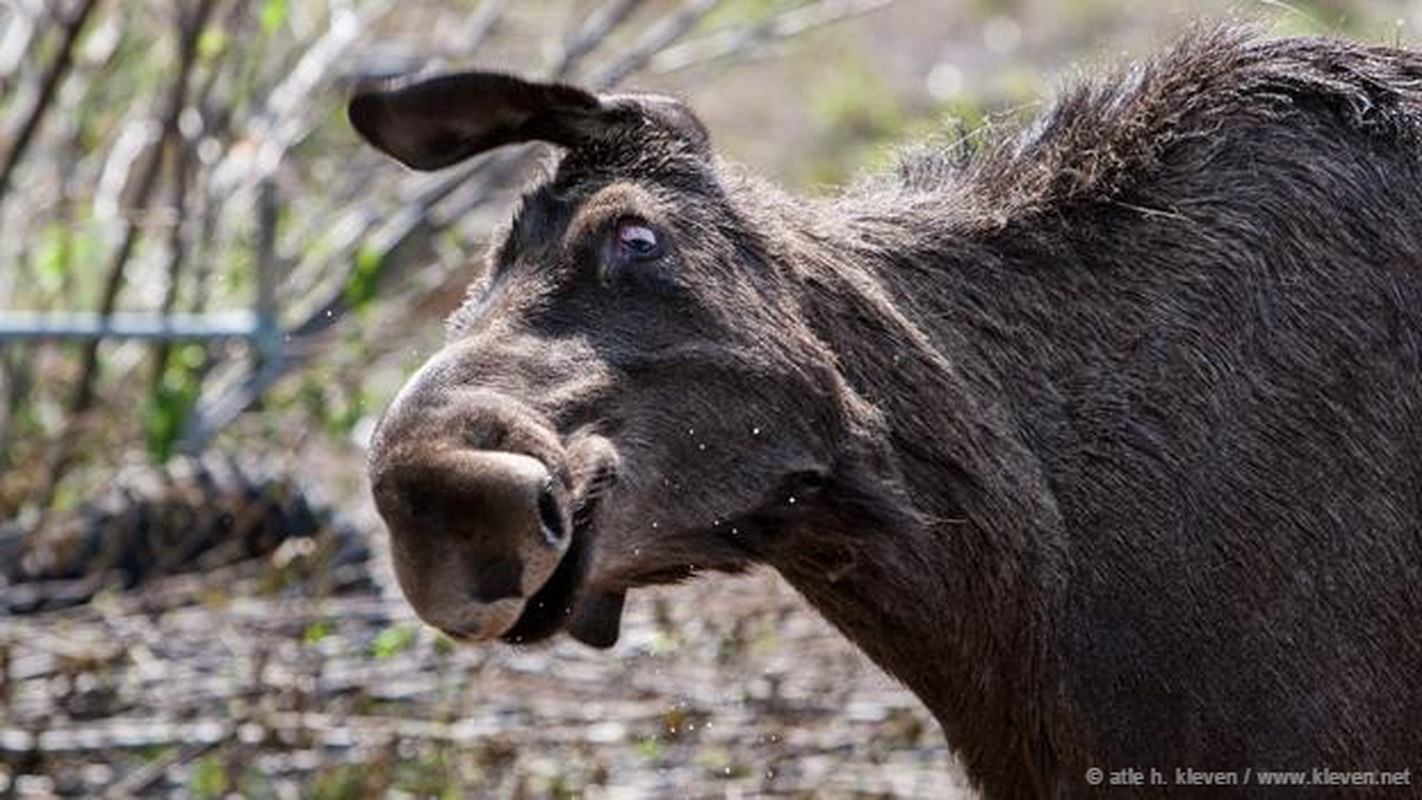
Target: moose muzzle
{"x":474,"y":533}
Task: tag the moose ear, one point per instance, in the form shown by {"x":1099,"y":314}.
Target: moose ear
{"x":434,"y":123}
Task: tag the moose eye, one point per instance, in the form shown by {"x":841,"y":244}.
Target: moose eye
{"x":636,"y":241}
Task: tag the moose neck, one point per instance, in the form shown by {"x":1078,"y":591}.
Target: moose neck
{"x":955,"y":596}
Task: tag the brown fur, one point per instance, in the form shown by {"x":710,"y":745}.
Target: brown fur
{"x":1105,"y":439}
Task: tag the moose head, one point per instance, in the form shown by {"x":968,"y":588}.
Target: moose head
{"x":634,"y":392}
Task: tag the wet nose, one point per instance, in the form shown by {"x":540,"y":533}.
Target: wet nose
{"x":474,"y":533}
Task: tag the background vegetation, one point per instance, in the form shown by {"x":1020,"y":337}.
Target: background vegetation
{"x":156,"y":155}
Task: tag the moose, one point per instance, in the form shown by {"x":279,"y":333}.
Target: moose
{"x":1102,"y":434}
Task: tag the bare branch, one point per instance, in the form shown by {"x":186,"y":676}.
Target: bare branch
{"x":285,"y":118}
{"x":482,"y":25}
{"x":737,"y":41}
{"x":49,"y":88}
{"x":599,"y":25}
{"x":143,"y":779}
{"x":83,"y":396}
{"x":666,"y":32}
{"x":19,"y":22}
{"x":178,"y":239}
{"x":177,"y":253}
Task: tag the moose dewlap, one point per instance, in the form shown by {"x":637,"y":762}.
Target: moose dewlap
{"x":1105,"y":439}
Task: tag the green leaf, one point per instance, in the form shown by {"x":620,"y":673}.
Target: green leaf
{"x":173,"y":399}
{"x":649,"y":748}
{"x":318,"y":631}
{"x":272,"y":16}
{"x":212,"y":43}
{"x":209,"y":778}
{"x":62,"y":247}
{"x":365,"y":278}
{"x":393,"y":641}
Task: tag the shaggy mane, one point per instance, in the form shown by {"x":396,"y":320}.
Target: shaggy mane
{"x":1101,"y":137}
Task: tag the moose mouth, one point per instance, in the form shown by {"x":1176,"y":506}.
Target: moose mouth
{"x":562,"y":601}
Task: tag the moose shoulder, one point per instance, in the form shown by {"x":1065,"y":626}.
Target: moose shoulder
{"x":1105,"y":439}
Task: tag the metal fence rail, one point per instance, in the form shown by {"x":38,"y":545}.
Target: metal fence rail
{"x":22,"y":326}
{"x":258,"y":327}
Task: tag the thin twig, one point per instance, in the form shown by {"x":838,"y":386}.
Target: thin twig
{"x":144,"y":778}
{"x":737,"y":41}
{"x":18,"y":39}
{"x":177,"y":253}
{"x":666,"y":32}
{"x":185,"y":160}
{"x":287,"y":117}
{"x":482,"y":25}
{"x":599,"y":25}
{"x":49,"y":88}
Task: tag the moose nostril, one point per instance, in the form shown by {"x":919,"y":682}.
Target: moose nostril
{"x":549,"y":515}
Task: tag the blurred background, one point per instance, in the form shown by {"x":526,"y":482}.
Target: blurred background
{"x":208,"y":291}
